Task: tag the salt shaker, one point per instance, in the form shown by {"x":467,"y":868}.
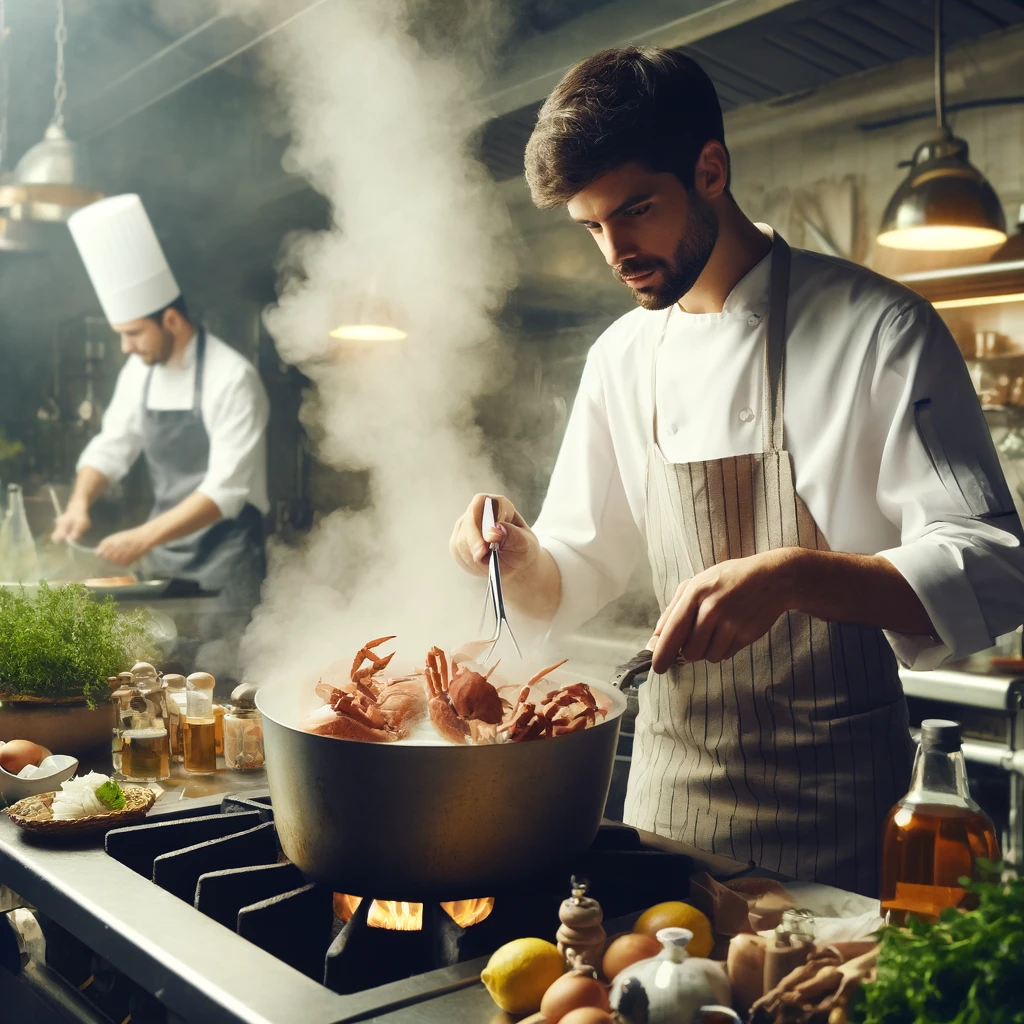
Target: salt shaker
{"x":243,"y":731}
{"x":581,"y":929}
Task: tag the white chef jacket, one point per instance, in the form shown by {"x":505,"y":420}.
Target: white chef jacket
{"x":891,"y":452}
{"x":234,"y":408}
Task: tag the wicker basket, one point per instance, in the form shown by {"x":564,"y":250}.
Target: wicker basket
{"x":34,"y":814}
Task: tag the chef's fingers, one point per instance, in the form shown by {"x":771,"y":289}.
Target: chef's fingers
{"x":695,"y":646}
{"x":721,"y":643}
{"x":506,"y":514}
{"x":114,"y":551}
{"x":464,"y":544}
{"x":674,"y":631}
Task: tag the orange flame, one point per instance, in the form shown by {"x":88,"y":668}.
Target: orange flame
{"x":467,"y":913}
{"x":408,"y":917}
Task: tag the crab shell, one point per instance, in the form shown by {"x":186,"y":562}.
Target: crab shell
{"x":474,"y":697}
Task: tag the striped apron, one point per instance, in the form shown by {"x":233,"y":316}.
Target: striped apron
{"x":791,"y":753}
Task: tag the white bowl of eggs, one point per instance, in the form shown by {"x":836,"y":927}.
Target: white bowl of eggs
{"x":26,"y":769}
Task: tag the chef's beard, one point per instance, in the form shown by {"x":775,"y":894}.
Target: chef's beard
{"x":680,"y":274}
{"x":165,"y":352}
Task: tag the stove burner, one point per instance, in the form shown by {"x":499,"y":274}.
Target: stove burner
{"x":230,"y":867}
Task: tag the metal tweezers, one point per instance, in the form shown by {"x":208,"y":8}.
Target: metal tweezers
{"x":493,"y":598}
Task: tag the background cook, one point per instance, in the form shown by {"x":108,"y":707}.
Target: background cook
{"x":192,"y":406}
{"x":795,"y":444}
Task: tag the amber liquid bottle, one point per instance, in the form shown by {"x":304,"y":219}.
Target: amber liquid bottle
{"x":936,"y":834}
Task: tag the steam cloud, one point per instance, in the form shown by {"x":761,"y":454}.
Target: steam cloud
{"x":379,"y":98}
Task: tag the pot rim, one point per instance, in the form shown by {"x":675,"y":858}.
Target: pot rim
{"x":269,"y":696}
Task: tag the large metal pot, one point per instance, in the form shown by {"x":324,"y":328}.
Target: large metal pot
{"x":402,"y":822}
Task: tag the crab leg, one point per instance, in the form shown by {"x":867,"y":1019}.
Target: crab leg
{"x":545,"y":671}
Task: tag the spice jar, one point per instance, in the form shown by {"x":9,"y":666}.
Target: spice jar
{"x":142,"y":711}
{"x":199,"y":741}
{"x":243,"y":730}
{"x":174,"y":685}
{"x":789,"y":947}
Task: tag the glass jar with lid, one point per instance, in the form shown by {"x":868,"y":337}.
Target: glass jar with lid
{"x":243,"y":731}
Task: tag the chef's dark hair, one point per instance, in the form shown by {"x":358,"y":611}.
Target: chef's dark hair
{"x":178,"y":304}
{"x":633,"y":103}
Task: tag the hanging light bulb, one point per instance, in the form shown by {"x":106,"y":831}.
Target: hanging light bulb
{"x":368,"y":317}
{"x":945,"y":201}
{"x":51,"y":180}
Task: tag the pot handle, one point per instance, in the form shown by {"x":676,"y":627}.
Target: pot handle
{"x":625,"y":675}
{"x":725,"y":1011}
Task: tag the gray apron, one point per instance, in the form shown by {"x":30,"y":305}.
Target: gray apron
{"x":227,"y":557}
{"x":791,"y":753}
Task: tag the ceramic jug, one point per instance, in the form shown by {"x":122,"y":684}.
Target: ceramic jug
{"x":672,"y":987}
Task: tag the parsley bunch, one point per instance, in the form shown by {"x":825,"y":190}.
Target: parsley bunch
{"x":967,"y":968}
{"x":62,"y":642}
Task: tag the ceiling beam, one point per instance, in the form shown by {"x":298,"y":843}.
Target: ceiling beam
{"x":536,"y":68}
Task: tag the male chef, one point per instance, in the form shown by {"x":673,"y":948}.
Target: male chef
{"x":795,"y":444}
{"x":192,"y":406}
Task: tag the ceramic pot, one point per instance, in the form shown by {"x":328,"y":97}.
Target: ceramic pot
{"x":64,"y":727}
{"x":672,"y":987}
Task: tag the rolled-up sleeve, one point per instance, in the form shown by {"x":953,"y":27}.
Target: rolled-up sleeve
{"x":237,"y":429}
{"x":940,"y":481}
{"x":118,"y":444}
{"x":586,"y":523}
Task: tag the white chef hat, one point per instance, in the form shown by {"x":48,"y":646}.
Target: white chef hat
{"x":123,"y":257}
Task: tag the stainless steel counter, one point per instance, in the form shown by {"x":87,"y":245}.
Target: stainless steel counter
{"x":202,"y":971}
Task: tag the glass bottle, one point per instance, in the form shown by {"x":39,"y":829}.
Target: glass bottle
{"x":243,"y":730}
{"x":17,"y":548}
{"x":199,"y":739}
{"x":174,"y":686}
{"x":145,"y":744}
{"x":936,"y":833}
{"x":219,"y":710}
{"x":121,"y":694}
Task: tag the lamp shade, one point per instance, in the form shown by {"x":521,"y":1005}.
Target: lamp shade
{"x":944,"y":202}
{"x":367,"y":317}
{"x":50,"y":181}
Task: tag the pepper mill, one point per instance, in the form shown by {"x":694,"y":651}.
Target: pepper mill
{"x":581,"y":931}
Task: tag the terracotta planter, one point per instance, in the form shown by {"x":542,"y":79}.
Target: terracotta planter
{"x":64,"y":727}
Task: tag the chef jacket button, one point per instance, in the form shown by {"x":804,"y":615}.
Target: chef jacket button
{"x":753,"y":319}
{"x":658,"y":728}
{"x":747,"y":415}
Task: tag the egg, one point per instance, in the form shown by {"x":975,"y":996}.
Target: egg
{"x":587,"y":1015}
{"x":15,"y":754}
{"x":570,"y":992}
{"x":625,"y":951}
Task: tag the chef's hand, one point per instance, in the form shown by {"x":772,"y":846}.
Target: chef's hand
{"x":519,"y":545}
{"x":71,"y":524}
{"x":125,"y":547}
{"x":718,"y":612}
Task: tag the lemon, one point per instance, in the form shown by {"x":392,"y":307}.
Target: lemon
{"x":676,"y":914}
{"x":519,"y":973}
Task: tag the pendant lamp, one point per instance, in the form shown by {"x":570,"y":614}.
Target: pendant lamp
{"x":945,"y":201}
{"x":51,"y":180}
{"x":368,"y":317}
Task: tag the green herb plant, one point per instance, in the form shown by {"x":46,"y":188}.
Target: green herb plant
{"x":61,"y":642}
{"x":966,"y":968}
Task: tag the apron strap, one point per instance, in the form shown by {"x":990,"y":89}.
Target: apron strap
{"x":197,"y":394}
{"x":775,"y":347}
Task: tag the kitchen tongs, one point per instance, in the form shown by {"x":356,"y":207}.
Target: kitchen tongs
{"x":493,"y":598}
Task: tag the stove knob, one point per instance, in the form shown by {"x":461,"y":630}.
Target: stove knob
{"x":22,"y":941}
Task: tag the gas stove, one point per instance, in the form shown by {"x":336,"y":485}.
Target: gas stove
{"x":196,"y":916}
